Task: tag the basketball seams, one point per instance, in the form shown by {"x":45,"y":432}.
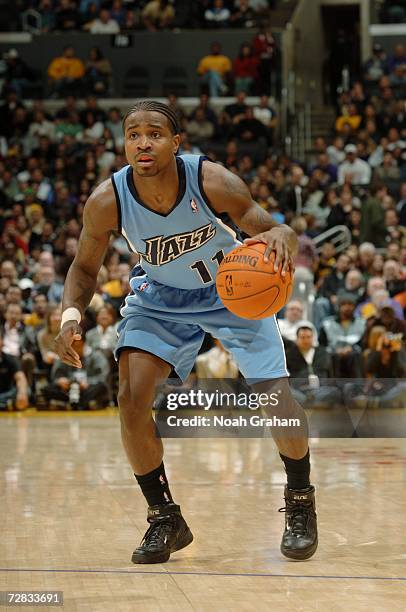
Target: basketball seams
{"x":246,"y":297}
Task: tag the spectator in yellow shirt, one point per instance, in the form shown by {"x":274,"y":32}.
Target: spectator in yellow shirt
{"x":352,"y":118}
{"x":214,"y":70}
{"x":66,"y":73}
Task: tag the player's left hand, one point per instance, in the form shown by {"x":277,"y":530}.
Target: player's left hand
{"x":281,"y":240}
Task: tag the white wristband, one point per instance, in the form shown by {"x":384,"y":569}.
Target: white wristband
{"x":71,"y":314}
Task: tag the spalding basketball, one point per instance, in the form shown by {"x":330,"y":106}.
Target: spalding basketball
{"x":248,"y":286}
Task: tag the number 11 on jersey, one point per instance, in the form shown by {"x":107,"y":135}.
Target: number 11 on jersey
{"x":203,"y":270}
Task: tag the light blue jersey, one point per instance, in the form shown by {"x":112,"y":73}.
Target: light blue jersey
{"x":184,"y":247}
{"x":173,"y":300}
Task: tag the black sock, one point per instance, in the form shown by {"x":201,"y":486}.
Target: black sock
{"x":154,"y":486}
{"x":297,"y":471}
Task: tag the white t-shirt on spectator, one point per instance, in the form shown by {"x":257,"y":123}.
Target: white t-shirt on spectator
{"x":212,"y":15}
{"x":360,"y":172}
{"x":264,"y":115}
{"x":95,"y":131}
{"x":336,"y":156}
{"x":98,"y":27}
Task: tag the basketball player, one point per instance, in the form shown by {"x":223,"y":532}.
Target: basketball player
{"x":170,"y":210}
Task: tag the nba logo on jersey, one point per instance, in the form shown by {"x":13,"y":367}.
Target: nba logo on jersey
{"x":193,"y":206}
{"x":143,"y":287}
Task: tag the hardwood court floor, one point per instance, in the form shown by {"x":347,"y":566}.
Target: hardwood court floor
{"x":71,"y":516}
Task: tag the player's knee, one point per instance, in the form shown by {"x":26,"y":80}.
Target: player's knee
{"x":135,"y":409}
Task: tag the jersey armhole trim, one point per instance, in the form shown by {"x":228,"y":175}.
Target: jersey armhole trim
{"x":201,"y":188}
{"x":118,"y":203}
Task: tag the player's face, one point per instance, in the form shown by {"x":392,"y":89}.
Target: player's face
{"x":150,"y":144}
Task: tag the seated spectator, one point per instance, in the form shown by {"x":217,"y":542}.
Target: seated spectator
{"x":373,"y":217}
{"x":104,"y":336}
{"x":47,"y":285}
{"x":267,"y":115}
{"x":245,"y":69}
{"x":332,"y":285}
{"x":93,"y":130}
{"x":376,"y":66}
{"x":92,"y":106}
{"x":293,"y":198}
{"x":104,"y":24}
{"x":19,"y":341}
{"x":385,"y":318}
{"x":236,"y":110}
{"x":66,"y":16}
{"x":249,"y":129}
{"x":264,"y":45}
{"x":200,"y":129}
{"x":354,"y":284}
{"x":307,"y":256}
{"x":342,"y":337}
{"x":376,"y":295}
{"x":46,"y":337}
{"x":13,"y":383}
{"x":118,"y":12}
{"x":308,"y":364}
{"x":217,"y":16}
{"x":216,"y":363}
{"x":17,"y":75}
{"x":336,"y":279}
{"x":388,"y":361}
{"x":336,"y":152}
{"x":292,"y":320}
{"x":354,"y":170}
{"x":342,"y":209}
{"x":158,"y":15}
{"x":388,"y":170}
{"x":209,"y":113}
{"x":66,"y":73}
{"x":177,"y":108}
{"x":394,"y":279}
{"x":98,"y":72}
{"x":398,"y":58}
{"x":214,"y":70}
{"x":326,"y":262}
{"x":36,"y":318}
{"x":114,"y":124}
{"x":82,"y":389}
{"x":131,"y":21}
{"x":243,"y":15}
{"x":394,"y":231}
{"x":350,"y":118}
{"x":46,"y":9}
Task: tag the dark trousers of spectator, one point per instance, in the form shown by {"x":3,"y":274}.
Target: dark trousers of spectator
{"x":264,"y":70}
{"x":66,"y":87}
{"x":348,"y":366}
{"x":6,"y":396}
{"x":94,"y":393}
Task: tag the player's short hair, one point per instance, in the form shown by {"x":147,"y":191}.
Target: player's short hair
{"x":157,"y":107}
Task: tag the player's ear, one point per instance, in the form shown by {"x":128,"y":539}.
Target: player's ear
{"x":176,"y":143}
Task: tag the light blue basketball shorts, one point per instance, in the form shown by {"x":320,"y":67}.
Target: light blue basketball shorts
{"x":171,"y":323}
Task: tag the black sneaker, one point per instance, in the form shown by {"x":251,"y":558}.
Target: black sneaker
{"x":299,"y":540}
{"x":167,"y":533}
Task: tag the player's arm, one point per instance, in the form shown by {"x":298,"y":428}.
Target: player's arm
{"x":229,"y":194}
{"x":99,"y":220}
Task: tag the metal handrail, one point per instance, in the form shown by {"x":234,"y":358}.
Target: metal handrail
{"x":339,"y":236}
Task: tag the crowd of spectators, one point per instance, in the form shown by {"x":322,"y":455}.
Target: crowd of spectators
{"x":252,"y":71}
{"x":355,"y":327}
{"x":114,"y":16}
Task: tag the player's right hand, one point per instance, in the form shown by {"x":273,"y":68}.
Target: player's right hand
{"x":70,"y":332}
